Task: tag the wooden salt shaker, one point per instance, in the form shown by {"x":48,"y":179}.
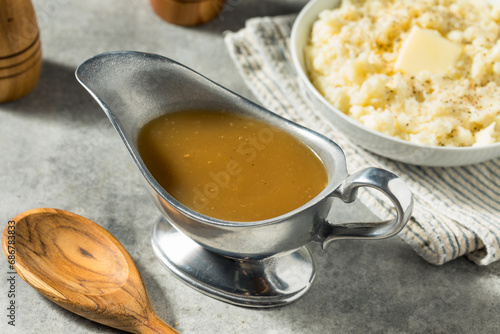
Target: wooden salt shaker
{"x":20,"y":49}
{"x":187,"y":12}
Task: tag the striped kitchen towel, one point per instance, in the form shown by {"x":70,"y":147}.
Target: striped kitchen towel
{"x":457,"y":210}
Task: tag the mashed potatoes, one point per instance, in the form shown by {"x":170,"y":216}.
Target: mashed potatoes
{"x":352,"y":56}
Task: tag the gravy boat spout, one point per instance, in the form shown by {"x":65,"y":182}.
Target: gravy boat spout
{"x":257,"y":264}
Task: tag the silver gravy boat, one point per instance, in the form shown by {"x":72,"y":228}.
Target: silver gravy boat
{"x":255,"y":264}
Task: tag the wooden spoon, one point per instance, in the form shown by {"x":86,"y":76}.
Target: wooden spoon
{"x":80,"y":266}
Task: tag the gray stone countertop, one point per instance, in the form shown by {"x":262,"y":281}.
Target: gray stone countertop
{"x":59,"y":150}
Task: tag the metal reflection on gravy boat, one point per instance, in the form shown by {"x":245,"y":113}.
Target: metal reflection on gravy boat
{"x":256,"y":264}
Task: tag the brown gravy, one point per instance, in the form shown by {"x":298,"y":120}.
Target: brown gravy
{"x":228,"y":166}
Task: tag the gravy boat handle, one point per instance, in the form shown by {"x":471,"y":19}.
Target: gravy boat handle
{"x":388,"y":184}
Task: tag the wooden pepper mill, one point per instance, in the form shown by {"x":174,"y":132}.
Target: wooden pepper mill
{"x":20,"y":49}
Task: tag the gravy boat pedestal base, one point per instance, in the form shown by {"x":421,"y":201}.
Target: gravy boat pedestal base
{"x":270,"y":282}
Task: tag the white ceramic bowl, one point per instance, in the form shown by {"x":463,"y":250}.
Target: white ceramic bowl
{"x":376,"y":142}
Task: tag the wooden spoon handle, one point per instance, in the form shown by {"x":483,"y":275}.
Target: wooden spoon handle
{"x":156,"y":326}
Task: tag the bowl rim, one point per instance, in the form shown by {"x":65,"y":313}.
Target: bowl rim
{"x":299,"y":67}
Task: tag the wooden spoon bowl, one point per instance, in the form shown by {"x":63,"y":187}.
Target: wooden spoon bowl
{"x":82,"y":267}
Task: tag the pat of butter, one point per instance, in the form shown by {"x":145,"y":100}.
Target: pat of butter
{"x":426,"y":50}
